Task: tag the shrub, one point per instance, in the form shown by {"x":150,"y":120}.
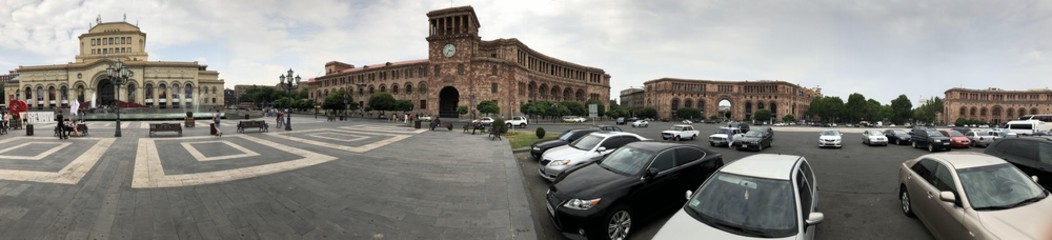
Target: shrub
{"x":499,"y":123}
{"x":540,"y":133}
{"x":449,"y":126}
{"x":189,"y":114}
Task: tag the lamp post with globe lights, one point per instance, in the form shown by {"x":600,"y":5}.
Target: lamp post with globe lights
{"x":289,"y":85}
{"x":119,"y":74}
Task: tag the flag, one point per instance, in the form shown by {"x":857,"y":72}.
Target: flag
{"x":73,"y":107}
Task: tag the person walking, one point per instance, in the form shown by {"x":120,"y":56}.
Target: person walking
{"x":59,"y":125}
{"x":215,"y":119}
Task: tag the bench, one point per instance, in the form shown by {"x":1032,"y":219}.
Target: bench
{"x":166,"y":127}
{"x":242,"y":125}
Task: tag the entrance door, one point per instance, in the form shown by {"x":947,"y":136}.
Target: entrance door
{"x":448,"y":100}
{"x":105,"y":96}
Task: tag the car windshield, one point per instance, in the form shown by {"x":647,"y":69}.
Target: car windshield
{"x":587,"y":142}
{"x":626,"y":160}
{"x":1000,"y":186}
{"x":955,"y":134}
{"x":830,"y":133}
{"x":566,"y":136}
{"x":755,"y":134}
{"x":935,"y":133}
{"x":722,"y":131}
{"x":746,"y":206}
{"x":875,"y":133}
{"x":677,"y":128}
{"x":899,"y":132}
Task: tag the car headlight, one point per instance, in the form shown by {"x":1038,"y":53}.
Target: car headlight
{"x":558,"y":162}
{"x":535,"y":148}
{"x":578,"y":204}
{"x":937,"y":140}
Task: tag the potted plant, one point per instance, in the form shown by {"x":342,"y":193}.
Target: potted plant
{"x":189,"y":120}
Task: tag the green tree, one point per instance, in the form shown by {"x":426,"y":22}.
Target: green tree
{"x":556,"y":110}
{"x":404,"y":105}
{"x":334,"y":101}
{"x":575,"y":108}
{"x":688,"y":113}
{"x":647,"y":112}
{"x":788,"y":118}
{"x":855,"y":109}
{"x":901,"y":109}
{"x":762,"y":115}
{"x":488,"y":107}
{"x":715,"y":117}
{"x":382,"y":101}
{"x":462,"y":110}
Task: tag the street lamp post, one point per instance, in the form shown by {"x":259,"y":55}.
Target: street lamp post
{"x":119,"y":74}
{"x":345,"y":106}
{"x":288,"y":86}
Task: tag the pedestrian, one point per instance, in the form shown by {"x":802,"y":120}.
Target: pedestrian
{"x":215,"y":120}
{"x":59,"y":125}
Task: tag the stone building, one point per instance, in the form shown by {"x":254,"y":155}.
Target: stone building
{"x":463,"y":70}
{"x":994,"y":105}
{"x":667,"y":95}
{"x":632,"y":97}
{"x":154,"y":84}
{"x":8,"y":77}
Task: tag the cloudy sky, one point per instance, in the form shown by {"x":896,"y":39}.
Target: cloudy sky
{"x":878,"y":48}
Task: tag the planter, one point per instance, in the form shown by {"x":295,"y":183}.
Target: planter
{"x":189,"y":122}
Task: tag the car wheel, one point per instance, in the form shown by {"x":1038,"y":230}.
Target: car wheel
{"x":712,"y":144}
{"x":759,"y":147}
{"x":693,"y":137}
{"x":904,"y":199}
{"x":898,"y":142}
{"x":676,"y":138}
{"x":509,"y":125}
{"x":931,"y":148}
{"x":618,"y":224}
{"x":914,"y":144}
{"x":522,"y":125}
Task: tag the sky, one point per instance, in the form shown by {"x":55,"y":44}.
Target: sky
{"x":880,"y":49}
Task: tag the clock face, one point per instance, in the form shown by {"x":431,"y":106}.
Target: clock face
{"x":449,"y":50}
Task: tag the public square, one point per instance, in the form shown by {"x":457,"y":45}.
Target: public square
{"x":357,"y":179}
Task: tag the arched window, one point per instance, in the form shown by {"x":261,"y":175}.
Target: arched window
{"x":162,"y":91}
{"x":394,"y":88}
{"x":176,"y":90}
{"x":675,"y":104}
{"x":189,"y":91}
{"x":29,"y":93}
{"x":408,"y":88}
{"x":40,"y":93}
{"x":80,"y":93}
{"x":149,"y":91}
{"x":65,"y":93}
{"x":131,"y":92}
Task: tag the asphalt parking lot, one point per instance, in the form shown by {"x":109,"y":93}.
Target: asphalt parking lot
{"x":857,"y":183}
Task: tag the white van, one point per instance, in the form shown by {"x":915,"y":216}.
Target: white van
{"x":1027,"y":127}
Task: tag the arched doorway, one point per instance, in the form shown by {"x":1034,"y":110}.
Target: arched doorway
{"x":448,"y":99}
{"x":105,"y":96}
{"x":725,"y":109}
{"x":774,"y":112}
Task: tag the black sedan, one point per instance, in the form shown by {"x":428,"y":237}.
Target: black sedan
{"x":1032,"y":155}
{"x":758,"y":139}
{"x":568,"y":136}
{"x":601,"y":200}
{"x":897,"y":136}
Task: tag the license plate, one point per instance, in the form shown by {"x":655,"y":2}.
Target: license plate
{"x":550,"y":209}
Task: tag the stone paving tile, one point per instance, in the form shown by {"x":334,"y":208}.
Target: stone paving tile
{"x":422,"y":186}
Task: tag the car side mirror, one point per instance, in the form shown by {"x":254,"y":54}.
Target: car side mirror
{"x":947,"y":196}
{"x":1033,"y":178}
{"x":651,"y":172}
{"x":689,"y":193}
{"x":600,"y":149}
{"x":815,"y":218}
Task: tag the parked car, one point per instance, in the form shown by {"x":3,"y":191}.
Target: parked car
{"x":1002,"y":133}
{"x":678,"y":132}
{"x":980,"y":138}
{"x":574,"y":119}
{"x":568,"y":136}
{"x":518,"y":121}
{"x":973,"y":196}
{"x":687,"y":121}
{"x":725,"y":136}
{"x":609,"y":128}
{"x":763,"y":196}
{"x":641,"y":123}
{"x":485,"y":121}
{"x":897,"y":136}
{"x":957,"y":139}
{"x":830,"y":138}
{"x":929,"y":138}
{"x":759,"y":138}
{"x":620,"y":121}
{"x":604,"y":199}
{"x":874,"y":137}
{"x":1032,"y":155}
{"x":739,"y":125}
{"x":585,"y":150}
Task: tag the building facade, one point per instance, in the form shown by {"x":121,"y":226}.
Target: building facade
{"x":632,"y":97}
{"x":463,"y":70}
{"x":154,"y":84}
{"x":994,"y":105}
{"x":8,"y":77}
{"x":667,"y":95}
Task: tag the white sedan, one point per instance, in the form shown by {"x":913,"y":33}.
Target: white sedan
{"x":640,"y":123}
{"x":574,"y":119}
{"x":874,"y":137}
{"x":830,"y":138}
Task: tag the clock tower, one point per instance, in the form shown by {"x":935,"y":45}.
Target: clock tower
{"x":454,"y":35}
